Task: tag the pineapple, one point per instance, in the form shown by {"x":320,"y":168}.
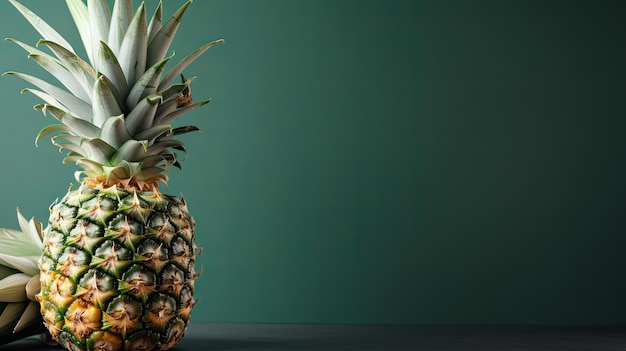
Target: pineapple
{"x":117,"y":269}
{"x":19,"y":280}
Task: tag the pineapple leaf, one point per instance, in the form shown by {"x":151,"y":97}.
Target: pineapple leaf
{"x":163,"y":146}
{"x":166,"y":119}
{"x":80,"y":69}
{"x":156,"y":23}
{"x":47,"y":98}
{"x":100,"y":22}
{"x":76,"y":125}
{"x":154,"y":173}
{"x":132,"y":53}
{"x":31,"y":229}
{"x":98,"y":150}
{"x":74,"y":105}
{"x":163,"y":38}
{"x":153,"y":133}
{"x":41,"y":26}
{"x":80,"y":15}
{"x":180,"y":67}
{"x":52,"y":128}
{"x":120,"y":19}
{"x":27,"y":317}
{"x":131,"y":151}
{"x":19,"y":255}
{"x":13,"y":287}
{"x":186,"y":129}
{"x":110,"y":67}
{"x":154,"y":160}
{"x":141,"y":117}
{"x":147,"y":84}
{"x":105,"y":101}
{"x":114,"y":131}
{"x":31,"y":49}
{"x":71,"y":146}
{"x":61,"y":73}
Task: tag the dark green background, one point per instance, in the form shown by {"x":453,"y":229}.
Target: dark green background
{"x":440,"y":162}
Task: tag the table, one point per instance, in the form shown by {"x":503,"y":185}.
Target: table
{"x":312,"y":337}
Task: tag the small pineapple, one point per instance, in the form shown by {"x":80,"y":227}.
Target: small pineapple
{"x":19,"y":280}
{"x":117,"y":269}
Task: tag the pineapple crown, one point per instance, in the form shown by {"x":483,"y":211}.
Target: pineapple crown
{"x":117,"y":107}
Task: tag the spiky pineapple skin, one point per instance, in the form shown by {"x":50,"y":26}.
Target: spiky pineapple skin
{"x":118,"y":269}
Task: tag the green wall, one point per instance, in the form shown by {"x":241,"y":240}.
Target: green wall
{"x":434,"y":162}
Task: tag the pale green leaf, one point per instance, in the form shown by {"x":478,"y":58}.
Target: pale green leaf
{"x":99,"y":22}
{"x":45,"y":30}
{"x":110,"y":67}
{"x":81,"y":70}
{"x":130,"y":151}
{"x":120,"y":19}
{"x":62,"y":74}
{"x":70,"y":102}
{"x":13,"y":288}
{"x":167,"y":119}
{"x":154,"y":132}
{"x":53,"y":128}
{"x":11,"y":314}
{"x":163,"y":38}
{"x":80,"y":15}
{"x":156,"y":22}
{"x":33,"y":287}
{"x":186,"y":61}
{"x":147,"y":84}
{"x":140,"y":118}
{"x":7,"y":271}
{"x":29,"y":317}
{"x":105,"y":101}
{"x":132,"y":53}
{"x":98,"y":150}
{"x":114,"y":132}
{"x":77,"y":125}
{"x":31,"y":229}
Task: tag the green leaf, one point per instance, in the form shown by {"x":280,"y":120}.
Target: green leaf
{"x":110,"y":67}
{"x":132,"y":53}
{"x":163,"y":38}
{"x":77,"y":125}
{"x":47,"y":130}
{"x":99,"y":24}
{"x":156,"y":22}
{"x":98,"y":150}
{"x":167,"y":119}
{"x":31,"y":229}
{"x":47,"y":98}
{"x":147,"y":84}
{"x":141,"y":117}
{"x":114,"y":131}
{"x":131,"y":151}
{"x":70,"y":102}
{"x":80,"y":15}
{"x":105,"y":101}
{"x":81,"y":70}
{"x":13,"y":288}
{"x":180,"y":67}
{"x":12,"y":313}
{"x":70,"y":147}
{"x":30,"y":316}
{"x":62,"y":74}
{"x":154,"y":132}
{"x":46,"y":31}
{"x":120,"y":19}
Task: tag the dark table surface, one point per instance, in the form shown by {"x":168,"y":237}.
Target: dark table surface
{"x":294,"y":337}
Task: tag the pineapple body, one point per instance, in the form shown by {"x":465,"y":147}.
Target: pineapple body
{"x":117,"y":270}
